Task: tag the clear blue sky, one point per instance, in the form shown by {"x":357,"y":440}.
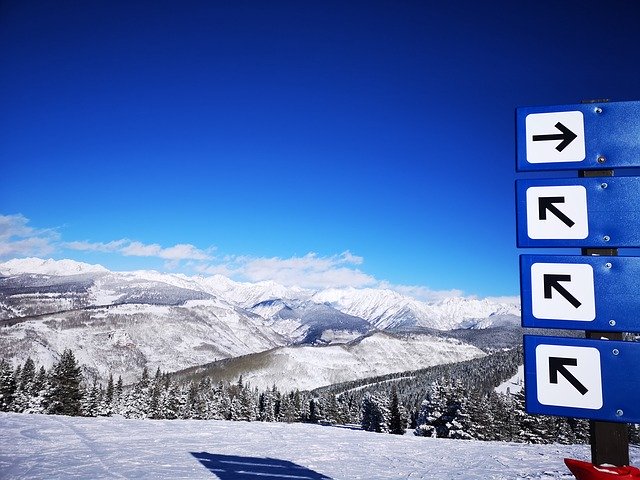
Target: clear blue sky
{"x":341,"y":142}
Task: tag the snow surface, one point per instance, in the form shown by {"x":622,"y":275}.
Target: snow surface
{"x":514,"y":385}
{"x":56,"y":447}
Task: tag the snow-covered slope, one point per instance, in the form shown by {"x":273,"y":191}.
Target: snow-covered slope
{"x":123,"y":339}
{"x":42,"y":447}
{"x":310,"y":367}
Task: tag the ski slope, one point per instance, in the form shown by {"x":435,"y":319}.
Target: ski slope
{"x":54,"y":447}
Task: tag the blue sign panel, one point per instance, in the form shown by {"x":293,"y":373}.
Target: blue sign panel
{"x":578,"y":137}
{"x":597,"y":212}
{"x":573,"y":377}
{"x":580,"y":292}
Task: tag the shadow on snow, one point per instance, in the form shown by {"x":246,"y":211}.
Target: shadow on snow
{"x":232,"y":467}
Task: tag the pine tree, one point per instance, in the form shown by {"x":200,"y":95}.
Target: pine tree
{"x":374,"y":414}
{"x":314,"y":410}
{"x":171,"y":406}
{"x":431,"y":409}
{"x":8,"y":386}
{"x":65,"y":395}
{"x":38,"y":393}
{"x":247,"y":405}
{"x":136,"y":403}
{"x":28,"y":375}
{"x":397,"y":421}
{"x":110,"y":390}
{"x":155,"y":400}
{"x":193,"y":407}
{"x":332,"y":409}
{"x":24,"y":386}
{"x":92,"y":399}
{"x":483,"y":424}
{"x":457,"y":419}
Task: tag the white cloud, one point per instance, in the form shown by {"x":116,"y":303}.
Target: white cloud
{"x":184,"y":251}
{"x":96,"y":246}
{"x":18,"y":239}
{"x":308,"y":271}
{"x":129,"y":248}
{"x":139,"y":249}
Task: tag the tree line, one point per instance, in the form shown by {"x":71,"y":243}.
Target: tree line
{"x":450,"y":407}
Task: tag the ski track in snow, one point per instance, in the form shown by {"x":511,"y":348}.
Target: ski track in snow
{"x":55,"y":447}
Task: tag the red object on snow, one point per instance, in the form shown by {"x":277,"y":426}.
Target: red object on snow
{"x":588,"y":471}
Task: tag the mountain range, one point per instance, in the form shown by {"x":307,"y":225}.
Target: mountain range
{"x":121,"y":322}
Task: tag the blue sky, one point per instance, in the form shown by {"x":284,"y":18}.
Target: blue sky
{"x":319,"y":143}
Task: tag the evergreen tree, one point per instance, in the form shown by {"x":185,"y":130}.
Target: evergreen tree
{"x":8,"y":386}
{"x":483,"y":424}
{"x":24,"y":386}
{"x":39,"y":389}
{"x":91,"y":400}
{"x":332,"y":409}
{"x":28,"y":375}
{"x":171,"y":405}
{"x":193,"y":407}
{"x":108,"y":395}
{"x":247,"y":405}
{"x":397,"y":420}
{"x":457,"y":419}
{"x":65,"y":395}
{"x":314,"y":410}
{"x":106,"y":407}
{"x":374,"y":414}
{"x":431,"y":410}
{"x":136,"y":403}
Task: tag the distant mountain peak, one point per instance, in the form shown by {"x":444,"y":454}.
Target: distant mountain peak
{"x":49,"y":266}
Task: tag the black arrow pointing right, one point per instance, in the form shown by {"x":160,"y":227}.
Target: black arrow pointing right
{"x":552,"y":281}
{"x":547,"y":203}
{"x":559,"y":365}
{"x":566,"y":135}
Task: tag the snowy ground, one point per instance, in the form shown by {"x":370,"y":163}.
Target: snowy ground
{"x":514,"y":384}
{"x":51,"y":447}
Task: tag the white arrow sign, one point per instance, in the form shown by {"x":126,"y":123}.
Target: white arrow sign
{"x":555,"y":137}
{"x":563,"y":291}
{"x":557,"y":212}
{"x":568,"y":376}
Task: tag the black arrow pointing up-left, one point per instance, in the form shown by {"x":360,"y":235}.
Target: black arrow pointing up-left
{"x":559,"y":365}
{"x":552,"y":281}
{"x":547,"y":203}
{"x":566,"y":135}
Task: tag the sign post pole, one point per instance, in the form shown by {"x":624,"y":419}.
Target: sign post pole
{"x":595,"y":378}
{"x":609,"y":440}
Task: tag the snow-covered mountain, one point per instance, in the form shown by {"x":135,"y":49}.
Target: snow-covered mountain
{"x":122,"y":321}
{"x":48,"y":267}
{"x":386,"y":309}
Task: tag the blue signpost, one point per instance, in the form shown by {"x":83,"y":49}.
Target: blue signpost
{"x":585,"y":136}
{"x":576,"y":377}
{"x":596,"y":377}
{"x":596,"y":212}
{"x":572,"y":292}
